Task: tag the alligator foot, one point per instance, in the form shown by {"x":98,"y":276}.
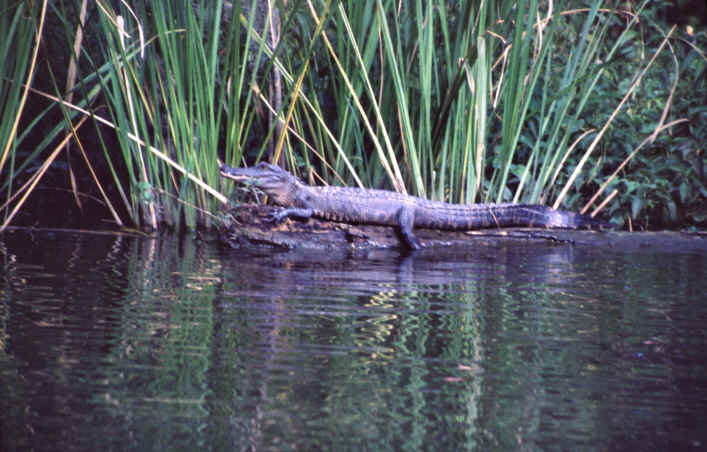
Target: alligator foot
{"x":280,"y":215}
{"x":274,"y":217}
{"x":410,"y":241}
{"x":406,"y":217}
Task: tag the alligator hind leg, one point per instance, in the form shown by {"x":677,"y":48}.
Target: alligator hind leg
{"x":406,"y":219}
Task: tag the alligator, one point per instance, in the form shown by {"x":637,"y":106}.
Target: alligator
{"x":387,"y":208}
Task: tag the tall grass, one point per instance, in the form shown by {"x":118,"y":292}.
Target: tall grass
{"x":167,"y":131}
{"x":22,"y":25}
{"x":458,"y":101}
{"x":173,"y":87}
{"x":455,"y":87}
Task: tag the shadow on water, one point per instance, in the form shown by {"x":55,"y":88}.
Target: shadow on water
{"x":143,"y":344}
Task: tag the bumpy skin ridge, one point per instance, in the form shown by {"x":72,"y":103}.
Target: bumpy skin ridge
{"x":381,"y":207}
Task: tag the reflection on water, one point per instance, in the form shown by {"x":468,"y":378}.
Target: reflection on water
{"x":142,"y":344}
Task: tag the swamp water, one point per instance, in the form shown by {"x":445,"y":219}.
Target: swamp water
{"x":124,"y":343}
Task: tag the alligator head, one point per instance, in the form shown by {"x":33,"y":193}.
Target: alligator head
{"x":273,"y":180}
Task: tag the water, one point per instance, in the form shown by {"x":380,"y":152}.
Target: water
{"x":124,"y":343}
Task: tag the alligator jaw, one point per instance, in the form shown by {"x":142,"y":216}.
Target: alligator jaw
{"x":237,"y":174}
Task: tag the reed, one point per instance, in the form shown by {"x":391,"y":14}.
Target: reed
{"x":22,"y":25}
{"x":454,"y":88}
{"x":174,"y":84}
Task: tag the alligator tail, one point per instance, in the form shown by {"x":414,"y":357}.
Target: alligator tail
{"x":572,"y":220}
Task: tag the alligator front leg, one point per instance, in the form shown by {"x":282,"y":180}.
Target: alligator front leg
{"x":297,"y":212}
{"x":406,"y":220}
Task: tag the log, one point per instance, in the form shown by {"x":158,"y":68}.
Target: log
{"x":247,"y":225}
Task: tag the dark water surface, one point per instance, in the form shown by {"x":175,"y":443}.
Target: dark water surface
{"x":120,"y":343}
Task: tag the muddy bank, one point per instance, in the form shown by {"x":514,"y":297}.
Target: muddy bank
{"x":248,"y":225}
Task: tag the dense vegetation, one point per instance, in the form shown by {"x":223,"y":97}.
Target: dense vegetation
{"x":567,"y":104}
